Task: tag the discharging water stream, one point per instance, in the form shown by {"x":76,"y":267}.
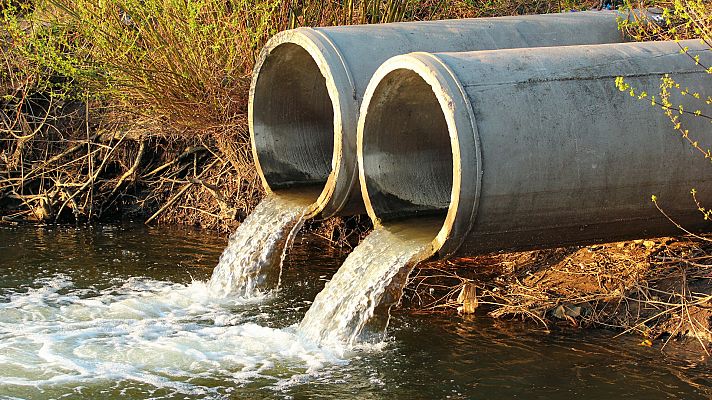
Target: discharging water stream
{"x":355,"y":304}
{"x":128,"y":311}
{"x":251,"y":264}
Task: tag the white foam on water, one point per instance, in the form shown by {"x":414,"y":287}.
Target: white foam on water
{"x":252,"y":261}
{"x":160,"y":334}
{"x":369,"y":282}
{"x":171,"y":336}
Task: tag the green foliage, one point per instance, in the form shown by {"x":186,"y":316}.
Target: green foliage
{"x":37,"y":56}
{"x":182,"y":64}
{"x":680,"y":19}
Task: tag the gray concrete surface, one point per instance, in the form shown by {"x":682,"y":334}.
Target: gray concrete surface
{"x":309,"y":82}
{"x":528,"y":148}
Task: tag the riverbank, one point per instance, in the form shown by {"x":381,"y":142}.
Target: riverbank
{"x":658,"y":289}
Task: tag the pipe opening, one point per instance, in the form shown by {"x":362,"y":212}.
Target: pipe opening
{"x":293,"y":121}
{"x":407,"y":153}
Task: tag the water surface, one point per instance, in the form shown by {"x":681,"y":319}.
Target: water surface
{"x":125,"y":311}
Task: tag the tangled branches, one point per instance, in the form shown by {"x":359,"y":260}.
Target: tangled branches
{"x":658,"y":288}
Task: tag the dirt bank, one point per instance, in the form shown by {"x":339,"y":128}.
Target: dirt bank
{"x":660,"y":289}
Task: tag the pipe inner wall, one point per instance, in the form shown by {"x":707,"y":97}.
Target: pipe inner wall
{"x":409,"y":157}
{"x":294,"y":122}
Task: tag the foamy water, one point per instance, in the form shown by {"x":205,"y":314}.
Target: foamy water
{"x":360,"y":294}
{"x":168,"y":336}
{"x":252,"y":261}
{"x":180,"y":339}
{"x":162,"y":335}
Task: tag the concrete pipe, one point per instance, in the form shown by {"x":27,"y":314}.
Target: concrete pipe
{"x":309,"y":82}
{"x":533,"y":148}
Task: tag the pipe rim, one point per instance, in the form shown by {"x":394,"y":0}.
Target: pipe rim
{"x":464,"y":142}
{"x":341,"y":89}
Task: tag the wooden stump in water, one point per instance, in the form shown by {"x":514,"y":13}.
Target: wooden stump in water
{"x":468,"y":298}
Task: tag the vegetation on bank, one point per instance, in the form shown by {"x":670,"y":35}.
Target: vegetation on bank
{"x":659,"y":289}
{"x":138,"y":107}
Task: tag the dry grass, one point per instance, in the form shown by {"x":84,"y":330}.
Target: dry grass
{"x":658,"y":288}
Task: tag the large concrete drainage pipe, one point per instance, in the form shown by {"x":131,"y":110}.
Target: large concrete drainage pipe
{"x":309,"y":82}
{"x":528,"y":148}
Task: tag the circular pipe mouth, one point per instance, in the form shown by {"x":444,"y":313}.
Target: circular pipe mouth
{"x":295,"y":118}
{"x":418,"y":151}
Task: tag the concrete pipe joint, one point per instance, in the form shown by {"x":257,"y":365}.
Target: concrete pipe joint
{"x":309,"y":82}
{"x":532,"y":148}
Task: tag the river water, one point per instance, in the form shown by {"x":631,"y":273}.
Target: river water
{"x":126,"y":311}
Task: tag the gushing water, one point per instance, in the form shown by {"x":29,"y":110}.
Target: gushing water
{"x":252,"y":261}
{"x":357,"y":300}
{"x":175,"y":339}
